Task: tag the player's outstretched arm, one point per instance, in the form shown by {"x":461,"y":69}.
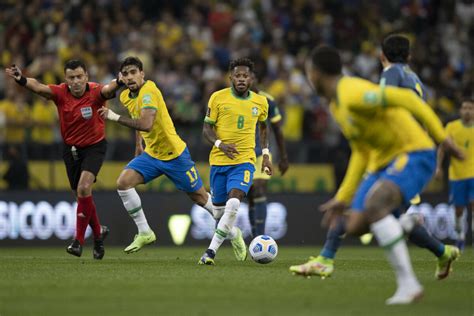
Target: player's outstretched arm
{"x":29,"y":83}
{"x":283,"y":164}
{"x":407,"y":99}
{"x":144,"y":123}
{"x":266,"y":163}
{"x":210,"y":135}
{"x":355,"y":171}
{"x":108,"y":91}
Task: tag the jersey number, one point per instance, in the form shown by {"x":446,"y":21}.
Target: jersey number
{"x":240,"y":122}
{"x":246,"y":176}
{"x":192,"y":174}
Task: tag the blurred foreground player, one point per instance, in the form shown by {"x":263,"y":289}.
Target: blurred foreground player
{"x":392,"y":146}
{"x":396,"y":72}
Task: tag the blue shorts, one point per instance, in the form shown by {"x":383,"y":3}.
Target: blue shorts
{"x":461,"y":192}
{"x":181,"y":170}
{"x":226,"y":178}
{"x":411,"y":172}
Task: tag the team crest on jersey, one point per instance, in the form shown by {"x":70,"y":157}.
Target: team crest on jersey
{"x":254,"y":111}
{"x":86,"y":112}
{"x":146,"y":99}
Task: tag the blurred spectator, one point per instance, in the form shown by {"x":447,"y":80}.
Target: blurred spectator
{"x":186,"y":47}
{"x":17,"y":175}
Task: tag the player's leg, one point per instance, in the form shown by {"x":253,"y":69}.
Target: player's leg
{"x":93,"y":158}
{"x":238,"y":181}
{"x":381,"y":200}
{"x":73,"y":170}
{"x":413,"y":227}
{"x":405,"y":177}
{"x":250,"y":199}
{"x":323,"y":264}
{"x":459,"y":197}
{"x":140,"y":170}
{"x":260,"y":204}
{"x":258,"y":200}
{"x":218,"y":183}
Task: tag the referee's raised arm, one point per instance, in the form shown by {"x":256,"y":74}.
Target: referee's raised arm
{"x":29,"y":83}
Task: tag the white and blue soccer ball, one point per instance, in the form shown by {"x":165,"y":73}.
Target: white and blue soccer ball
{"x":263,"y":249}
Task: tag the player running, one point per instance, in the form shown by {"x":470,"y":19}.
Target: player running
{"x":461,"y":173}
{"x":83,"y":132}
{"x":257,"y":195}
{"x":394,"y":58}
{"x":388,"y":143}
{"x":230,"y":124}
{"x":164,"y":154}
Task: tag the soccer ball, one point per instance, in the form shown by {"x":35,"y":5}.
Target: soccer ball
{"x":263,"y":249}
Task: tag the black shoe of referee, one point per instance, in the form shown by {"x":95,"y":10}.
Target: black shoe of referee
{"x":75,"y":248}
{"x":99,"y":250}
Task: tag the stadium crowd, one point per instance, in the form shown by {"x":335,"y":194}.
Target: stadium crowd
{"x":186,"y":47}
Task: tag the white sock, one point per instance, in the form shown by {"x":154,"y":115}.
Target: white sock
{"x":389,"y":234}
{"x":208,"y":206}
{"x":133,"y":205}
{"x":218,"y":211}
{"x":225,"y":224}
{"x":460,"y":227}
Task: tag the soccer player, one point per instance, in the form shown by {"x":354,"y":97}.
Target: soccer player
{"x":394,"y":58}
{"x":393,"y":147}
{"x":164,"y":153}
{"x":83,"y":132}
{"x":230,"y":124}
{"x":461,"y":173}
{"x":257,"y":194}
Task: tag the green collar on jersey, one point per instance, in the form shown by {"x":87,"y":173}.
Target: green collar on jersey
{"x":239,"y":97}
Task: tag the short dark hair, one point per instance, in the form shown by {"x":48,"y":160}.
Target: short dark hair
{"x":396,"y":48}
{"x":246,"y":62}
{"x":132,"y":60}
{"x":326,"y":59}
{"x":73,"y":64}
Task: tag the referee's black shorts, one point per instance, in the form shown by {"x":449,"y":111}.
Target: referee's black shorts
{"x":88,"y":158}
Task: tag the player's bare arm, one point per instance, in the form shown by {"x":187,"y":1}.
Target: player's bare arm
{"x":266,"y":163}
{"x":29,"y":83}
{"x":210,"y":135}
{"x":283,"y":164}
{"x":144,"y":123}
{"x":108,"y":91}
{"x":138,"y":144}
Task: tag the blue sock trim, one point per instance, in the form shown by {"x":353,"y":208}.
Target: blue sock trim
{"x":327,"y":253}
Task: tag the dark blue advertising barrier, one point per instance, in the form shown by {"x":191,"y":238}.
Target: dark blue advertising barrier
{"x":48,"y":218}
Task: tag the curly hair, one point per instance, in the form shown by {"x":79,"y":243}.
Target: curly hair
{"x":246,"y":62}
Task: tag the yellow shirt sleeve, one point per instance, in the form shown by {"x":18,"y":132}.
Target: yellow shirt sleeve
{"x":408,"y":100}
{"x":355,"y":171}
{"x":402,"y":98}
{"x":264,"y":113}
{"x":211,"y":114}
{"x":151,"y":99}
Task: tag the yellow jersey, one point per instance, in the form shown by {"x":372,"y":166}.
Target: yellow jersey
{"x":463,"y":136}
{"x":380,"y":123}
{"x":162,"y":142}
{"x":235,"y":119}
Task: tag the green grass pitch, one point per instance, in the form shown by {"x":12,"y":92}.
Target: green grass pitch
{"x":167,"y":281}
